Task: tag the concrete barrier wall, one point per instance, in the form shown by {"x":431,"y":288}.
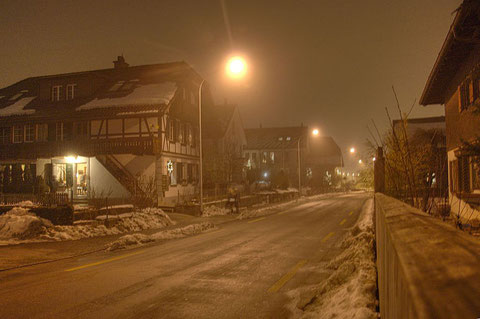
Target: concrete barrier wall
{"x":426,"y":268}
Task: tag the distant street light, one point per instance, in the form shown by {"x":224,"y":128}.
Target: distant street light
{"x":315,"y":132}
{"x":352,"y":150}
{"x":360,"y":161}
{"x":236,"y":68}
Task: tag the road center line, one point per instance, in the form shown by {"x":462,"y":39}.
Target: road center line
{"x":327,"y":237}
{"x":257,"y":220}
{"x":282,"y":281}
{"x":343,"y":221}
{"x":104,"y":261}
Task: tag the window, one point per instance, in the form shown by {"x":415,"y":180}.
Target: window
{"x":475,"y":174}
{"x":247,"y":155}
{"x":264,"y":157}
{"x":42,"y":132}
{"x":56,"y":90}
{"x":5,"y":135}
{"x":180,"y":135}
{"x":254,"y":157}
{"x":18,"y":134}
{"x":180,"y":176}
{"x":280,"y":138}
{"x":81,"y":129}
{"x":190,"y":173}
{"x":29,"y":133}
{"x":171,"y":130}
{"x":189,"y":135}
{"x":288,"y":138}
{"x":272,"y":157}
{"x":172,"y":173}
{"x":71,"y":91}
{"x":116,"y":86}
{"x":59,"y":131}
{"x":468,"y":92}
{"x":464,"y":174}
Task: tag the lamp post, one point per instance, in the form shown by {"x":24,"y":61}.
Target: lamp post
{"x":236,"y":68}
{"x":200,"y":87}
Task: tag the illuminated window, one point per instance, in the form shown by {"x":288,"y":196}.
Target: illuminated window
{"x":288,"y":138}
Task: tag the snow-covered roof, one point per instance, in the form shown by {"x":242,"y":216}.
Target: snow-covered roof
{"x":17,"y":108}
{"x":149,"y":94}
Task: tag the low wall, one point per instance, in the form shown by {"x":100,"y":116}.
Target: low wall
{"x":426,"y":269}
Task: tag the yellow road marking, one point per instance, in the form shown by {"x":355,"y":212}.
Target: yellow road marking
{"x":282,"y":281}
{"x":327,"y":237}
{"x":343,"y":221}
{"x":351,"y":213}
{"x":257,"y":220}
{"x":104,"y":261}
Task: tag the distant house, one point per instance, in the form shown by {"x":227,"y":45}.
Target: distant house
{"x":455,"y":82}
{"x":223,"y":142}
{"x":120,"y":132}
{"x":274,"y":151}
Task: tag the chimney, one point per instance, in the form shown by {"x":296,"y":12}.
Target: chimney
{"x":120,"y":63}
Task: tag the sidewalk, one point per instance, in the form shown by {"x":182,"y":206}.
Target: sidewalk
{"x":31,"y":253}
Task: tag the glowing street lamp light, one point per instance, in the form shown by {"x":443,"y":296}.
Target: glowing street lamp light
{"x":360,"y":161}
{"x":352,"y":150}
{"x":315,"y":132}
{"x":236,"y":67}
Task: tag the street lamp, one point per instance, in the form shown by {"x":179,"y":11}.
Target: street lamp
{"x":352,"y":150}
{"x":315,"y":132}
{"x":236,"y":68}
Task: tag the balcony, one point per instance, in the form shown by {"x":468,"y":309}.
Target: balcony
{"x":136,"y":146}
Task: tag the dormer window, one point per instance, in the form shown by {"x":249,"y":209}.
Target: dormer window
{"x":280,"y":138}
{"x":288,"y":138}
{"x":71,"y":91}
{"x":56,"y":89}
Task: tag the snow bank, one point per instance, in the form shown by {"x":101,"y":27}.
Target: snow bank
{"x":215,"y":211}
{"x":19,"y":226}
{"x":141,"y":239}
{"x":349,"y":292}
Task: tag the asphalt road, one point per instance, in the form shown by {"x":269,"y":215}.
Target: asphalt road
{"x":241,"y":270}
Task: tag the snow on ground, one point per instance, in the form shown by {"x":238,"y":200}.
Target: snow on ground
{"x":141,"y":239}
{"x":215,"y":211}
{"x":19,"y":226}
{"x":349,"y":292}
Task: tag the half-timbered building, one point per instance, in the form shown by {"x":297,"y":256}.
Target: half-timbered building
{"x":117,"y":133}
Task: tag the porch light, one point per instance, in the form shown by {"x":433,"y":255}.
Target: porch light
{"x":71,"y":159}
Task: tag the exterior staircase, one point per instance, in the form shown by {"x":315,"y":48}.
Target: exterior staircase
{"x":121,"y":173}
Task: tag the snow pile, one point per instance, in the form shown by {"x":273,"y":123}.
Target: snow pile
{"x":150,"y":94}
{"x":215,"y":211}
{"x":30,"y":228}
{"x":17,"y":108}
{"x":349,"y":292}
{"x":20,"y":224}
{"x":140,"y":239}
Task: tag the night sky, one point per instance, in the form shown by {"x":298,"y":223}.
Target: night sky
{"x":328,"y":64}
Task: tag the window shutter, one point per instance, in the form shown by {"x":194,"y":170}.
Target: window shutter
{"x":464,"y":174}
